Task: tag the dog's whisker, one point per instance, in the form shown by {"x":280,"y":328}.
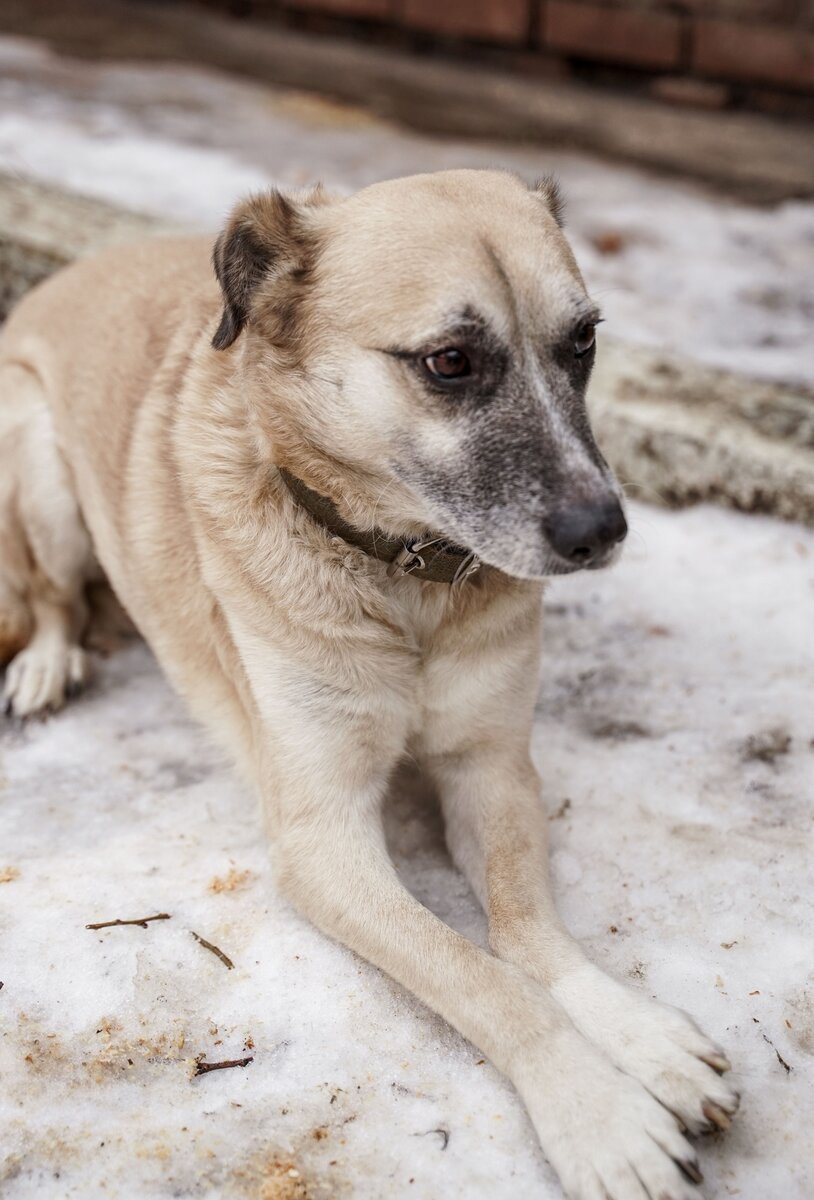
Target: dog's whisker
{"x":390,"y":484}
{"x":628,"y":484}
{"x":637,"y":534}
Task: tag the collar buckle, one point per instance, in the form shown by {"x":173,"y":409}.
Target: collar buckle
{"x":410,"y":559}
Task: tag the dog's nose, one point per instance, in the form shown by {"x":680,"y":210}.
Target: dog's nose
{"x":580,"y":533}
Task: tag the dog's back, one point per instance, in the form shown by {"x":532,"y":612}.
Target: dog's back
{"x":95,"y":334}
{"x":82,"y":359}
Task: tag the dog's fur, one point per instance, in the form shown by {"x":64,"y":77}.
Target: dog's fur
{"x":143,"y":413}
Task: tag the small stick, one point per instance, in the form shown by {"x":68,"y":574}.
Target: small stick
{"x":224,"y":958}
{"x":443,"y":1132}
{"x":201,"y":1067}
{"x":142,"y":921}
{"x":786,"y":1067}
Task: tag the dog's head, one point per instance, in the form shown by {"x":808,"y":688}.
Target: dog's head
{"x":439,"y":338}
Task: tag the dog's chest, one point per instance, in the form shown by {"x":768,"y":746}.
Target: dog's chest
{"x":423,"y":613}
{"x":420,"y":610}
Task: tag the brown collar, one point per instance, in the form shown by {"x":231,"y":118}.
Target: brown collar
{"x":430,"y":558}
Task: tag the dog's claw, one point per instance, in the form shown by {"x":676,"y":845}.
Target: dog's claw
{"x":716,"y":1115}
{"x":692,"y":1170}
{"x":718,"y":1061}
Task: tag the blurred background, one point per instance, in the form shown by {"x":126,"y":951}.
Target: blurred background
{"x":681,"y":132}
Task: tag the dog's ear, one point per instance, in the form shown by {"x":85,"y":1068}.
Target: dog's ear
{"x":549,"y":190}
{"x":266,"y":236}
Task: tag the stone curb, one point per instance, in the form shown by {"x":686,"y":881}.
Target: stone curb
{"x":43,"y":228}
{"x":676,"y":431}
{"x":679,"y":432}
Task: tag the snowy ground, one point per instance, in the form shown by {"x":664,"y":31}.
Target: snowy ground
{"x":671,"y":265}
{"x":675,"y":736}
{"x":683,"y":857}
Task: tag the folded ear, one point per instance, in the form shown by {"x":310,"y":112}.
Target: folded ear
{"x":549,"y":190}
{"x":266,"y":237}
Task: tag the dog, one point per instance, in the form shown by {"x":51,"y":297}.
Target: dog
{"x":327,"y":481}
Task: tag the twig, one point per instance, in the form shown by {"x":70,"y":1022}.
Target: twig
{"x":202,"y":1068}
{"x":443,"y":1132}
{"x":224,"y":958}
{"x":142,"y":921}
{"x":786,"y":1066}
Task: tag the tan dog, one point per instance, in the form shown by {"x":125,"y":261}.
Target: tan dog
{"x":395,"y":376}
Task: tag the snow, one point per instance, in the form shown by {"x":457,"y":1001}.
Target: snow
{"x":670,"y":833}
{"x":675,"y":737}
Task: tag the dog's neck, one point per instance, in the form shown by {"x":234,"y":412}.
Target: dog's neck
{"x":429,"y":557}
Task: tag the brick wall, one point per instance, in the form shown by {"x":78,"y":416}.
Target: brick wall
{"x":710,"y":52}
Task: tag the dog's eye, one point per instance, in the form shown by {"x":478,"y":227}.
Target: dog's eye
{"x":448,"y":364}
{"x":584,"y":339}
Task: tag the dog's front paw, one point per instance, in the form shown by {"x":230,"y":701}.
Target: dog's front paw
{"x":658,"y":1045}
{"x":604,"y":1134}
{"x":42,"y":677}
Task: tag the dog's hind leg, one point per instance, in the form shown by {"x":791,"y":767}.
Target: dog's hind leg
{"x":46,"y":556}
{"x":53,"y":665}
{"x":15,"y":621}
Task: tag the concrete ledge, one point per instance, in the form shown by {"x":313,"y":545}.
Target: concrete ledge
{"x":43,"y":228}
{"x":676,"y":431}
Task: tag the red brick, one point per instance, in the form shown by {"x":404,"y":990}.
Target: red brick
{"x":782,"y":12}
{"x":623,"y":35}
{"x":383,"y":9}
{"x":760,"y":53}
{"x":483,"y":20}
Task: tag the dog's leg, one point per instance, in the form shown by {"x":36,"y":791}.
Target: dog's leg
{"x":498,"y":835}
{"x":15,"y":620}
{"x":53,"y":664}
{"x":323,"y":780}
{"x":51,"y":553}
